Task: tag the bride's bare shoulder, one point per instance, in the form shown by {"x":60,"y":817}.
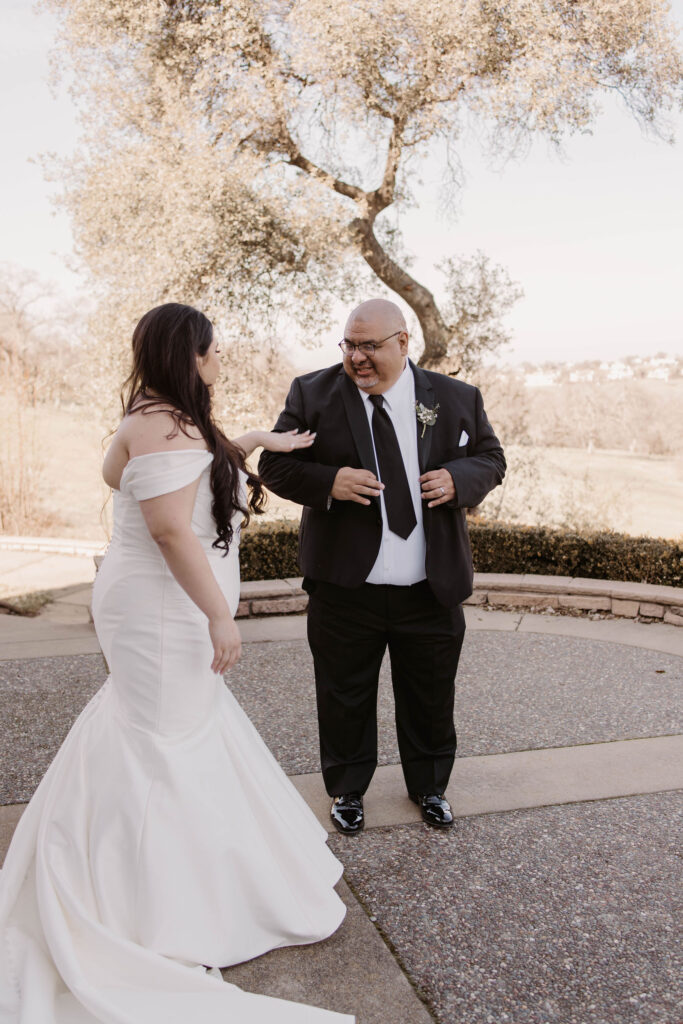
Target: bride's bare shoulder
{"x":157,"y":428}
{"x":143,"y":432}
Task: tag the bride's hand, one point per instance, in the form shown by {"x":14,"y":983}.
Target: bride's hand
{"x":288,"y":441}
{"x":227,"y":643}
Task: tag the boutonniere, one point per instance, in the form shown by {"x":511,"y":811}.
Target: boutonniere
{"x":426,"y":416}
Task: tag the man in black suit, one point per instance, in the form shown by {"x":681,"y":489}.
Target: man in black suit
{"x":399,"y":454}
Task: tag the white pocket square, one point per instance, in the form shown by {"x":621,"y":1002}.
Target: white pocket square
{"x":464,"y":438}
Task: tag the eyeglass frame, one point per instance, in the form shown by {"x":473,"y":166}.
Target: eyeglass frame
{"x":367,"y":348}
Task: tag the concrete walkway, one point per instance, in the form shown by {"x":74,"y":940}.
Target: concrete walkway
{"x":553,"y":897}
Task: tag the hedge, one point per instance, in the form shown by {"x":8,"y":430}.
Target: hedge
{"x":269,"y":551}
{"x":510,"y":548}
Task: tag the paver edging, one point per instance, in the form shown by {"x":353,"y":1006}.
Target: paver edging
{"x":498,"y":590}
{"x":53,"y":545}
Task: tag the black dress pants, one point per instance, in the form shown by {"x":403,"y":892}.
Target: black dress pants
{"x":348,"y":632}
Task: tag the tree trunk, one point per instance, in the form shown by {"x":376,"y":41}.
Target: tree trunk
{"x":435,"y":333}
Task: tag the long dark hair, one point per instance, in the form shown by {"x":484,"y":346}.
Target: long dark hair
{"x":166,"y":342}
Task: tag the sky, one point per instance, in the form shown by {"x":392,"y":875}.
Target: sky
{"x":594,"y":237}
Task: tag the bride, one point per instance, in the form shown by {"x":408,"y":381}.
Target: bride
{"x":164,"y":841}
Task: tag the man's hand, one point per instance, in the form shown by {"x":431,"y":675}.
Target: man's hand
{"x":437,"y":487}
{"x":354,"y":484}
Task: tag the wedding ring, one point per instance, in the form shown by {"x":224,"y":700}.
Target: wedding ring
{"x":443,"y":490}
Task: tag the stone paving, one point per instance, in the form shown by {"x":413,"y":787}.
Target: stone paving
{"x":561,"y":911}
{"x":557,"y":914}
{"x":513,"y":693}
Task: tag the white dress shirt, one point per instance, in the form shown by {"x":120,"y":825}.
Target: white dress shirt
{"x":400,"y":562}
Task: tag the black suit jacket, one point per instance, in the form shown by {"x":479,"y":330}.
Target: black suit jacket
{"x":340,"y":544}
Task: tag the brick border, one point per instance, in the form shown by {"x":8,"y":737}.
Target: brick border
{"x":53,"y":545}
{"x":271,"y":597}
{"x":498,"y":590}
{"x":615,"y":597}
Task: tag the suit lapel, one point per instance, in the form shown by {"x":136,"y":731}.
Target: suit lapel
{"x":358,"y":422}
{"x":360,"y":428}
{"x":424,"y":393}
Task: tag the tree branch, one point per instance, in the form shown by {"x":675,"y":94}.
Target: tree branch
{"x":434,"y":330}
{"x":384,"y":195}
{"x":296,"y":158}
{"x":379,"y":198}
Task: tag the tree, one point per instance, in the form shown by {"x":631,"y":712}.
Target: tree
{"x":245,"y":154}
{"x":478,"y":296}
{"x":37,"y":338}
{"x":32,"y":353}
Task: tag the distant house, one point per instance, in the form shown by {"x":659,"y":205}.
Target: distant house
{"x":619,"y":371}
{"x":540,"y":379}
{"x":582,"y":374}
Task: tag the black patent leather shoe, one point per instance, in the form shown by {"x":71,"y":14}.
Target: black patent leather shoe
{"x":347,"y":813}
{"x":435,"y":809}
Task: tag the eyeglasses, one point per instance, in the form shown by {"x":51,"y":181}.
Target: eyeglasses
{"x":367,"y":348}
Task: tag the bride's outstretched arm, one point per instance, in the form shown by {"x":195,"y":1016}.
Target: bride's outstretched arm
{"x":274,"y":442}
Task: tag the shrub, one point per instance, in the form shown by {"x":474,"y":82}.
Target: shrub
{"x":604,"y":555}
{"x":269,"y":551}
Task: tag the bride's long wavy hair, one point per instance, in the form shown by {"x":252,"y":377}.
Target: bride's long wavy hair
{"x":166,"y":342}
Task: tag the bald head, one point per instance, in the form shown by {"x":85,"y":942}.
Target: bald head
{"x":378,"y":311}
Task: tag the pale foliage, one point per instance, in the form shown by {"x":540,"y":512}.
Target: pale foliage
{"x":22,"y":382}
{"x":241,"y":155}
{"x":478,"y":296}
{"x":38,"y":335}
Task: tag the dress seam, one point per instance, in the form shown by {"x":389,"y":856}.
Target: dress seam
{"x":12,"y":970}
{"x":138,"y":854}
{"x":160,"y":676}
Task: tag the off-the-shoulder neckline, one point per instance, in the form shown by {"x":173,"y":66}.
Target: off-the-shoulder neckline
{"x":173,"y":451}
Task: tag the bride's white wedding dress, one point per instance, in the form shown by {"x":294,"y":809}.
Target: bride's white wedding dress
{"x":164,"y":836}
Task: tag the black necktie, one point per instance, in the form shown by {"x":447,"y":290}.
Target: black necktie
{"x":398,"y":500}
